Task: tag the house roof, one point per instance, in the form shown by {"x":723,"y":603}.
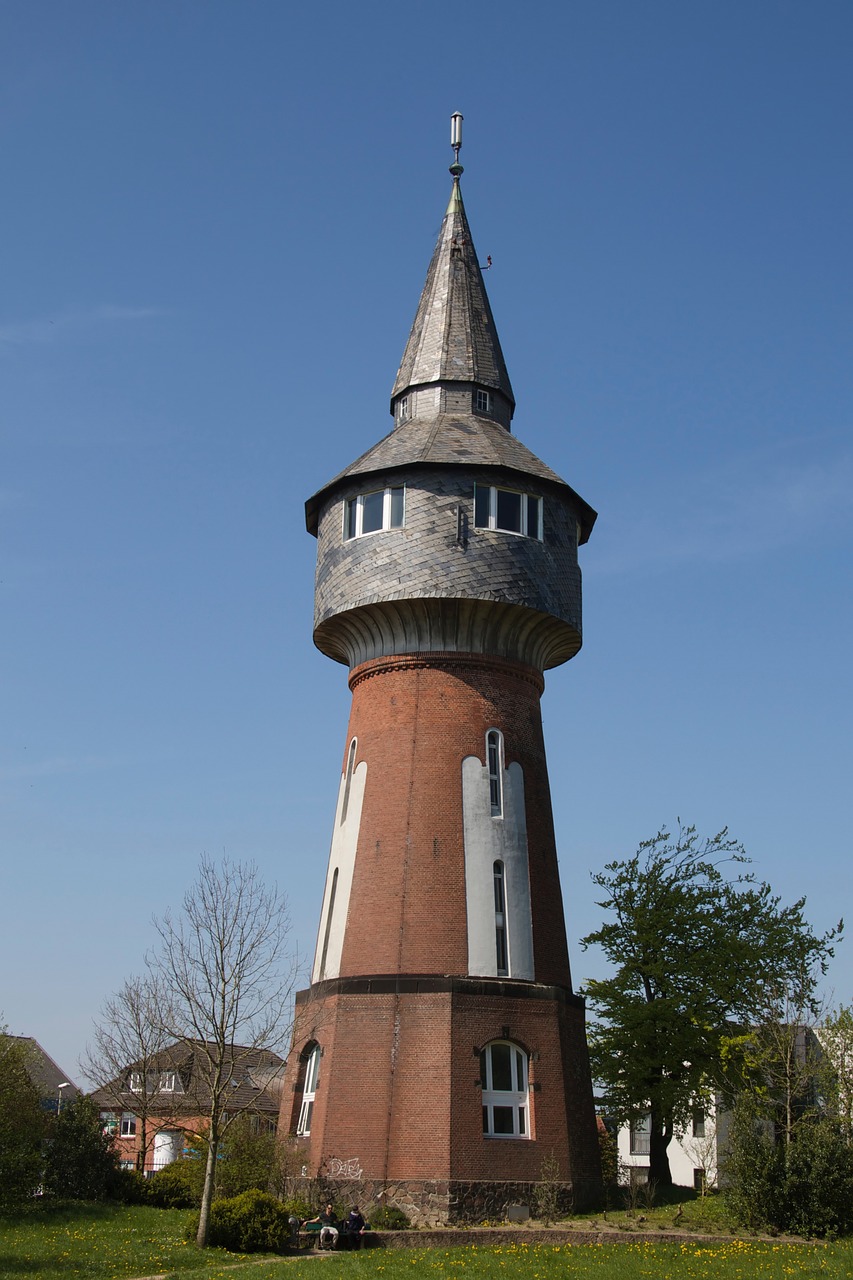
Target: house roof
{"x":45,"y":1074}
{"x":255,"y":1078}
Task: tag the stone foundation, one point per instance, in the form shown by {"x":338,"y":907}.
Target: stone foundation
{"x":442,"y":1203}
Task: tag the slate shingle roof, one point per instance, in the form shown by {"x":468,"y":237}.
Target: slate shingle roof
{"x":453,"y":338}
{"x":461,"y":439}
{"x":256,"y":1076}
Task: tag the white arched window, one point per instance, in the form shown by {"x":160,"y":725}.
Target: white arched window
{"x":503,"y":1075}
{"x":495,"y":765}
{"x":309,"y":1090}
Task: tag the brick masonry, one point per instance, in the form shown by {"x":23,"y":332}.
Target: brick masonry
{"x":399,"y":1096}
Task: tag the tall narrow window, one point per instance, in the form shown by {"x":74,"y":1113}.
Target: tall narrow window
{"x":482,"y":401}
{"x":348,"y":782}
{"x":500,"y":921}
{"x":309,"y":1090}
{"x":641,"y":1131}
{"x":503,"y":1075}
{"x":494,"y":761}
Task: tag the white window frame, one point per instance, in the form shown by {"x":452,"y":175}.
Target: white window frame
{"x":515,"y":1100}
{"x":482,"y":400}
{"x":127,"y":1128}
{"x":526,"y":500}
{"x":167,"y":1082}
{"x":404,"y":408}
{"x":356,"y":507}
{"x":309,"y":1092}
{"x":640,"y":1134}
{"x":495,"y":766}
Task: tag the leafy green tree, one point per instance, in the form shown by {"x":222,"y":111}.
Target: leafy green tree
{"x":22,"y":1122}
{"x":698,"y":945}
{"x":80,"y":1161}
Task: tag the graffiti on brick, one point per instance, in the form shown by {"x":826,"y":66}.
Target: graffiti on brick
{"x":344,"y":1168}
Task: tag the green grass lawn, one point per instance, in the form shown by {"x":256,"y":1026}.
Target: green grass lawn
{"x":103,"y":1242}
{"x":643,"y":1260}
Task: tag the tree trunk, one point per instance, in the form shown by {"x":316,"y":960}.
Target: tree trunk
{"x":143,"y":1145}
{"x":659,"y":1139}
{"x":207,"y":1195}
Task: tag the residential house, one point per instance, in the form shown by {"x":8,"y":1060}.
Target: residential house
{"x":152,"y":1113}
{"x":694,"y":1154}
{"x":55,"y":1086}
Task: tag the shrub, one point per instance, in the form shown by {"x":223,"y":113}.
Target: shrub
{"x":247,"y":1159}
{"x":175,"y":1186}
{"x":816,"y":1196}
{"x":80,"y":1162}
{"x":254,"y":1222}
{"x":804,"y":1187}
{"x":298,"y":1207}
{"x":388,"y":1218}
{"x":130,"y":1187}
{"x":21,"y":1126}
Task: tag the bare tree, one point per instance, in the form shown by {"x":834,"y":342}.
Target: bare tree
{"x":225,"y":966}
{"x":124,"y":1055}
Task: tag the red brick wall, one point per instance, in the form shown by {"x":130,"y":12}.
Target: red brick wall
{"x":399,"y":1091}
{"x":415,"y":722}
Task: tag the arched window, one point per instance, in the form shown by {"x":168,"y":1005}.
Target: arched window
{"x":501,"y":949}
{"x":503,"y":1075}
{"x":494,"y":762}
{"x":309,"y":1089}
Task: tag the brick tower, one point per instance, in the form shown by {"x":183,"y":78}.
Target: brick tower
{"x":439,"y":1055}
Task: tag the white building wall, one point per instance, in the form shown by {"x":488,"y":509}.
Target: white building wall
{"x":687,"y":1153}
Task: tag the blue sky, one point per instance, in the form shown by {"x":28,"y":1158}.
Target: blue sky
{"x":216,"y":223}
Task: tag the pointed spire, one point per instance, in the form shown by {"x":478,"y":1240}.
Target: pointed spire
{"x":453,"y":338}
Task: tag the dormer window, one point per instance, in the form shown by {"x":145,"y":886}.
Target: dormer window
{"x":374,"y":512}
{"x":507,"y":510}
{"x":482,"y":401}
{"x":403,"y":408}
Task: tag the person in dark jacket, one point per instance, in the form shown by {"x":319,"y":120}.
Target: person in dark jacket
{"x":354,"y":1228}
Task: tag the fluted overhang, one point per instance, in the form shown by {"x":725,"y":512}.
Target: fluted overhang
{"x":454,"y":338}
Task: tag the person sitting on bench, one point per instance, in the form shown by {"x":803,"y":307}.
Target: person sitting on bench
{"x":328,"y":1227}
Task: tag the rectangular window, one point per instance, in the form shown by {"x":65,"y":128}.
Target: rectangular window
{"x":507,"y":511}
{"x":482,"y":401}
{"x":641,"y":1135}
{"x":374,"y":512}
{"x":167,"y":1082}
{"x":128,"y":1125}
{"x":137,"y":1084}
{"x":698,"y":1122}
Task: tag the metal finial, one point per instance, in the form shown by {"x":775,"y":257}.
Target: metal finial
{"x":456,"y":142}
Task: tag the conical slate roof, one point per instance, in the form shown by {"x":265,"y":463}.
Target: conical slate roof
{"x":453,"y":338}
